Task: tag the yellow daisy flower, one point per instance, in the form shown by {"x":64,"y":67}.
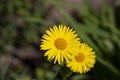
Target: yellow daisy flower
{"x":82,"y":60}
{"x":59,"y":42}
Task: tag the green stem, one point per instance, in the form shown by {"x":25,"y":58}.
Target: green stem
{"x":66,"y":77}
{"x":57,"y":72}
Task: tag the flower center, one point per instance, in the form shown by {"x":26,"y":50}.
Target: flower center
{"x":80,"y":57}
{"x":60,"y":43}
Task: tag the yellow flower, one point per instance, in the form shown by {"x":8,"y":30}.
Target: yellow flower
{"x":83,"y":59}
{"x":59,"y":42}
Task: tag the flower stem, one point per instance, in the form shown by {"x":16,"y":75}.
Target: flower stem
{"x":57,"y":72}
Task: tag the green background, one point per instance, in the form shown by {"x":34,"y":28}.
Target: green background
{"x":23,"y":22}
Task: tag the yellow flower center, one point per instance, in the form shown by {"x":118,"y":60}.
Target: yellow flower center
{"x":60,"y":43}
{"x":80,"y":57}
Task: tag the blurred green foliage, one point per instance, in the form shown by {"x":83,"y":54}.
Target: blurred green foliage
{"x":22,"y":23}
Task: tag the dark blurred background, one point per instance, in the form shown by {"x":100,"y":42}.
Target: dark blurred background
{"x":23,"y":22}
